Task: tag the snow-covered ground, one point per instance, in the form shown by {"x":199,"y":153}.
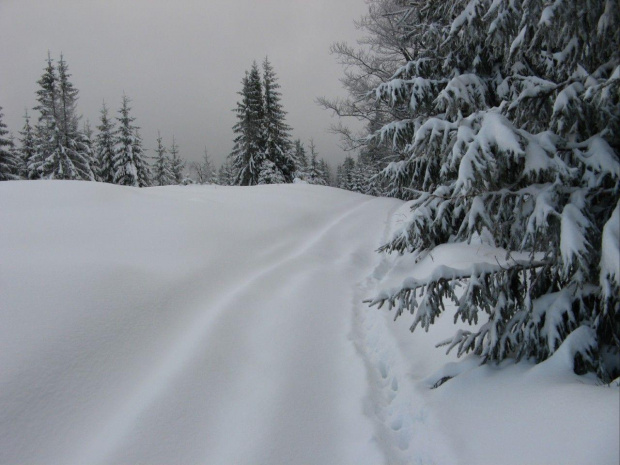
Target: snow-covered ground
{"x":212,"y":325}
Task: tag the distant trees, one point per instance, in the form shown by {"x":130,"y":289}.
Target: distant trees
{"x":9,"y":162}
{"x":129,"y":165}
{"x":105,"y":147}
{"x":204,"y":170}
{"x":263,"y":152}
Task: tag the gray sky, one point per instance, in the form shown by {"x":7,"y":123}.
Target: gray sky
{"x":180,"y":61}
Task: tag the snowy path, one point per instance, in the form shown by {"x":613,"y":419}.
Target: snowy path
{"x":210,"y":325}
{"x":238,"y":348}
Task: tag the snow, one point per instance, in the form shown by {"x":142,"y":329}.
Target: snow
{"x":207,"y":324}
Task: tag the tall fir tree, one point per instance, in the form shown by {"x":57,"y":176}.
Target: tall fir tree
{"x":105,"y":146}
{"x":61,"y":152}
{"x":300,"y":159}
{"x":315,"y":173}
{"x":27,"y":147}
{"x":177,"y":164}
{"x":510,"y":131}
{"x":162,"y":175}
{"x":130,"y":168}
{"x":9,"y":162}
{"x":277,"y":142}
{"x":249,"y":144}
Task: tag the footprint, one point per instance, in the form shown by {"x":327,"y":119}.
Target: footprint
{"x":394,"y":384}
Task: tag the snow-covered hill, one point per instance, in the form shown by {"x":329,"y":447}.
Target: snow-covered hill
{"x":213,"y":325}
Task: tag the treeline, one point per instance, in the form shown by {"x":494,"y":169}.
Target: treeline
{"x":57,"y":147}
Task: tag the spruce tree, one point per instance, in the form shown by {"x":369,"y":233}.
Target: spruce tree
{"x":28,"y":147}
{"x":300,"y":159}
{"x":226,"y":174}
{"x":277,"y":143}
{"x":105,"y":147}
{"x":249,"y":145}
{"x":510,"y":131}
{"x":315,"y":173}
{"x":9,"y":162}
{"x":177,"y":164}
{"x":130,"y":168}
{"x":61,"y":152}
{"x":162,"y":176}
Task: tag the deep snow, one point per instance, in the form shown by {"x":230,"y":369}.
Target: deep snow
{"x":217,"y":325}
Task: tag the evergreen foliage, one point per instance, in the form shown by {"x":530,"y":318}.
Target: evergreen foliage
{"x":9,"y":162}
{"x":162,"y":174}
{"x":510,"y":130}
{"x":249,"y":145}
{"x":129,"y":165}
{"x":28,"y":147}
{"x":105,"y":147}
{"x":277,"y":143}
{"x":61,"y":151}
{"x":177,"y":164}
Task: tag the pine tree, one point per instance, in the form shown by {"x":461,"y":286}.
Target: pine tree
{"x":28,"y":148}
{"x":226,"y":174}
{"x":130,"y":168}
{"x":277,"y":143}
{"x":162,"y":174}
{"x":346,"y":177}
{"x":104,"y":147}
{"x":9,"y":162}
{"x":315,"y":174}
{"x":270,"y":173}
{"x":61,"y":152}
{"x":300,"y":159}
{"x":249,"y":150}
{"x":177,"y":165}
{"x":511,"y":131}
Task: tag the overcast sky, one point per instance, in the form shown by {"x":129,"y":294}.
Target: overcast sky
{"x":180,"y":61}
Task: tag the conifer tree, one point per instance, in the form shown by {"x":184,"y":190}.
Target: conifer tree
{"x":105,"y":147}
{"x":9,"y":162}
{"x":510,"y":131}
{"x":249,"y":145}
{"x":300,"y":159}
{"x":226,"y":174}
{"x":315,"y":173}
{"x":61,"y":152}
{"x":28,"y":147}
{"x":162,"y":174}
{"x":177,"y":164}
{"x":130,"y":168}
{"x":270,"y":173}
{"x":277,"y":143}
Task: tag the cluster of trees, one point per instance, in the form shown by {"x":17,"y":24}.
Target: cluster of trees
{"x":501,"y":119}
{"x":263,"y":152}
{"x":57,"y":148}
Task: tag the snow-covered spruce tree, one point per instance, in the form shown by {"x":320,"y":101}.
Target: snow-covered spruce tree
{"x":512,"y":131}
{"x":162,"y":175}
{"x":249,"y":145}
{"x":270,"y":173}
{"x":9,"y":163}
{"x":300,"y":159}
{"x":277,"y":143}
{"x":27,"y":150}
{"x":104,"y":147}
{"x":130,"y":168}
{"x":314,"y":172}
{"x":60,"y":149}
{"x":226,"y":174}
{"x":177,"y":164}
